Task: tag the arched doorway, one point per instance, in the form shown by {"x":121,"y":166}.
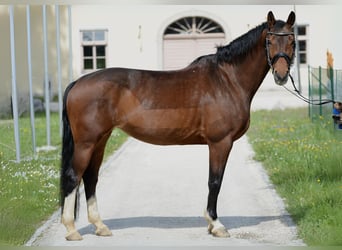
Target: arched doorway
{"x":188,"y":38}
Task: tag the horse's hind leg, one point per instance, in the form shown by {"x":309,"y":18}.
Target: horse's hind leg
{"x":218,"y":155}
{"x":90,"y":178}
{"x":68,"y":218}
{"x":81,"y":157}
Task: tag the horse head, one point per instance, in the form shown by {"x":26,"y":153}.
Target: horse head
{"x":280,"y":46}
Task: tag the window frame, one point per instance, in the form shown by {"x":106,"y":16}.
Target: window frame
{"x":94,"y":43}
{"x":194,"y":27}
{"x":303,"y":38}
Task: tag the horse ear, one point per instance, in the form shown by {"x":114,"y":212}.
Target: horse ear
{"x":291,"y":19}
{"x":270,"y":19}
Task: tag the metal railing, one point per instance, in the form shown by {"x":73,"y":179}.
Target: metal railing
{"x":324,"y":84}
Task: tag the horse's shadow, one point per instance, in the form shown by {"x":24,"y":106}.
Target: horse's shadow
{"x":230,"y":222}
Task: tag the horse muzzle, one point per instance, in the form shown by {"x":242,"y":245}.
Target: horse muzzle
{"x":280,"y":79}
{"x":280,"y":65}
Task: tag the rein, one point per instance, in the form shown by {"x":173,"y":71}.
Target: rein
{"x":297,"y":93}
{"x":273,"y":60}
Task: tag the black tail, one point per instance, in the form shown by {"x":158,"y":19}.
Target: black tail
{"x":68,"y":179}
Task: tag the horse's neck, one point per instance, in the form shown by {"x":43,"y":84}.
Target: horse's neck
{"x":258,"y":71}
{"x":250,"y":73}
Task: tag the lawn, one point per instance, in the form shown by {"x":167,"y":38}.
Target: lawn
{"x":29,"y":190}
{"x":304,"y":161}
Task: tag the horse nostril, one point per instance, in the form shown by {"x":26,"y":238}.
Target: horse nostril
{"x":280,"y":79}
{"x":281,"y":75}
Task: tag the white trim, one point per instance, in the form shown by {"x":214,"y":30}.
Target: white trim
{"x":193,"y":36}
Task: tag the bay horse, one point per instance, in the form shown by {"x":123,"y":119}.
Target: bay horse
{"x":208,"y":102}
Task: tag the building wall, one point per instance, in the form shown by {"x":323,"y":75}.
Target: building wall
{"x":123,"y":24}
{"x":135,"y":37}
{"x":127,"y":49}
{"x":37,"y":53}
{"x":323,"y":23}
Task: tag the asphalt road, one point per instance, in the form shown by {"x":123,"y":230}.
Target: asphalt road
{"x":155,"y":196}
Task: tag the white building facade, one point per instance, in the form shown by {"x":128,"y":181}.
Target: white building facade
{"x":155,"y":37}
{"x":170,"y":36}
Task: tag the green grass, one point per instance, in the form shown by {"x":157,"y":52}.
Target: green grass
{"x":304,"y":161}
{"x":29,"y":190}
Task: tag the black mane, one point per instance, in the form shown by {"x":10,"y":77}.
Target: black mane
{"x":241,"y":46}
{"x":235,"y":51}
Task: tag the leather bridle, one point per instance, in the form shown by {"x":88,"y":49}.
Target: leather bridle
{"x":274,"y":59}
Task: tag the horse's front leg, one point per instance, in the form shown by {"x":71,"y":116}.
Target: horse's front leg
{"x":218,"y":155}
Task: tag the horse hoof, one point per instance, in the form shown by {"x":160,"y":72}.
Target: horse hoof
{"x":73,"y":236}
{"x":215,"y":227}
{"x":220,"y":232}
{"x":210,"y":228}
{"x":103,"y":231}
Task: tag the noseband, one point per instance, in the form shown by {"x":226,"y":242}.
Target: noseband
{"x":272,"y":61}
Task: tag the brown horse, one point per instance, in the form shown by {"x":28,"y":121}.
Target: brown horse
{"x":208,"y":102}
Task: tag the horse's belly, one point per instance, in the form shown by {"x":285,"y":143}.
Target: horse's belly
{"x":165,"y":136}
{"x":165,"y":127}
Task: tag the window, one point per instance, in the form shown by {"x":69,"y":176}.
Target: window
{"x":94,"y":44}
{"x":193,"y":25}
{"x":302,"y":42}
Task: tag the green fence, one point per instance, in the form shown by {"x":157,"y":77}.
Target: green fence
{"x":324,"y":84}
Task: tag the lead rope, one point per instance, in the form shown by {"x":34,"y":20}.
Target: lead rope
{"x":297,"y":93}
